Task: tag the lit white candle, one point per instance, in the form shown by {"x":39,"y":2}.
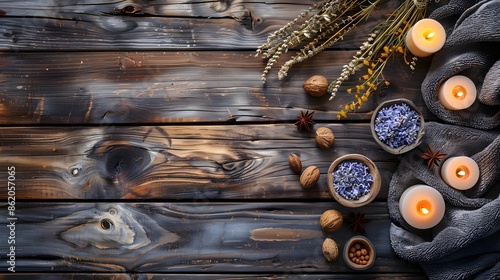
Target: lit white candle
{"x":457,"y":93}
{"x":460,"y":173}
{"x":425,"y":37}
{"x":421,"y":206}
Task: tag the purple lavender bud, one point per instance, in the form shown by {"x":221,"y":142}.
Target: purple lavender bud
{"x":397,"y":125}
{"x":352,"y":179}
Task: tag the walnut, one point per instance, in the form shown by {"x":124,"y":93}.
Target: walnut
{"x":330,"y":249}
{"x":295,"y":163}
{"x":331,"y":220}
{"x":324,"y":138}
{"x":309,"y":177}
{"x":316,"y":86}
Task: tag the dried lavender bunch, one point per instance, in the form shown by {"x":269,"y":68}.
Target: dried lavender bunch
{"x":315,"y":31}
{"x":387,"y":39}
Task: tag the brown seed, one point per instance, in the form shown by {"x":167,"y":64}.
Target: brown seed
{"x":358,"y":253}
{"x":367,"y":257}
{"x":364,"y":262}
{"x":364,"y":252}
{"x":309,"y":177}
{"x":330,"y":249}
{"x":351,"y":255}
{"x":357,"y":246}
{"x":316,"y":85}
{"x":331,"y":220}
{"x":295,"y":163}
{"x":352,"y":249}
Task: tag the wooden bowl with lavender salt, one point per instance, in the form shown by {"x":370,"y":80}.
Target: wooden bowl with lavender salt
{"x":397,"y":126}
{"x":354,"y":180}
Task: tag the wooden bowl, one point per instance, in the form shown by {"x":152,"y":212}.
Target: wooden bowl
{"x":404,"y":148}
{"x":374,"y":188}
{"x":367,"y":244}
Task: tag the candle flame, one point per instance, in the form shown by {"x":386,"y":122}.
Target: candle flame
{"x":430,"y":35}
{"x":459,"y":92}
{"x":462,"y":172}
{"x":424,"y":207}
{"x":424,"y":210}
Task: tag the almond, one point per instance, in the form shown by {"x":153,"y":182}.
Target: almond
{"x":295,"y":163}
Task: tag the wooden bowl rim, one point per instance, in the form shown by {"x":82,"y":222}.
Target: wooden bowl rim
{"x":371,"y":252}
{"x":374,"y":188}
{"x":405,"y":148}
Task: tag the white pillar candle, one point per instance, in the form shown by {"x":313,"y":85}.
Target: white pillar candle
{"x":457,"y":93}
{"x":460,"y":173}
{"x":425,"y":37}
{"x":421,"y":206}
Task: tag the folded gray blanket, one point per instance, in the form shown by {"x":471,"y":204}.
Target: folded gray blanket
{"x":471,"y":49}
{"x":466,"y":243}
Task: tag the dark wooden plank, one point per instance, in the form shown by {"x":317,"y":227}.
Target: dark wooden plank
{"x":130,"y":24}
{"x":162,"y":276}
{"x":159,"y":87}
{"x":187,"y":238}
{"x":195,"y":163}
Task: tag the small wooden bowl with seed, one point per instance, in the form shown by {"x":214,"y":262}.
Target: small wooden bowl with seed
{"x":359,"y":253}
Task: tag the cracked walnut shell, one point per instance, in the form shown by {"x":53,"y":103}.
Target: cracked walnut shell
{"x":331,"y":220}
{"x":316,"y":85}
{"x":324,"y":138}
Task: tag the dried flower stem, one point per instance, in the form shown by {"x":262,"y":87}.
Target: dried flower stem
{"x":318,"y":31}
{"x":334,"y":33}
{"x":386,"y":39}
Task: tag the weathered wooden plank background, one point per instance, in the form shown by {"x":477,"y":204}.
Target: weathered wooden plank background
{"x":152,"y":276}
{"x":177,"y":162}
{"x":159,"y":87}
{"x":189,"y":237}
{"x":146,"y":145}
{"x":132,"y":24}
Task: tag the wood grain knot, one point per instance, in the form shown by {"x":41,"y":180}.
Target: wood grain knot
{"x":107,"y":224}
{"x":127,"y":10}
{"x":123,"y":163}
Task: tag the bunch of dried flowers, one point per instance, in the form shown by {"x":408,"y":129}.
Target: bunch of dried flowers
{"x":352,"y":179}
{"x":387,"y":39}
{"x":397,"y":125}
{"x":331,"y":21}
{"x":318,"y":31}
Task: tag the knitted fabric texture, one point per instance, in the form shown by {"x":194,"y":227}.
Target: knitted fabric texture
{"x":472,"y":49}
{"x":466,"y":241}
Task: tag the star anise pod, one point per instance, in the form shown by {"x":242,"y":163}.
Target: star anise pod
{"x":357,"y":222}
{"x":432,"y":157}
{"x":304,"y":121}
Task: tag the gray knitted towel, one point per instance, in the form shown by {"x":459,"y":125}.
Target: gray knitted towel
{"x":466,"y":243}
{"x":472,"y":49}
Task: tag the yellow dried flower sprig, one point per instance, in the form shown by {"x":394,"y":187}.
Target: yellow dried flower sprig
{"x":386,"y":40}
